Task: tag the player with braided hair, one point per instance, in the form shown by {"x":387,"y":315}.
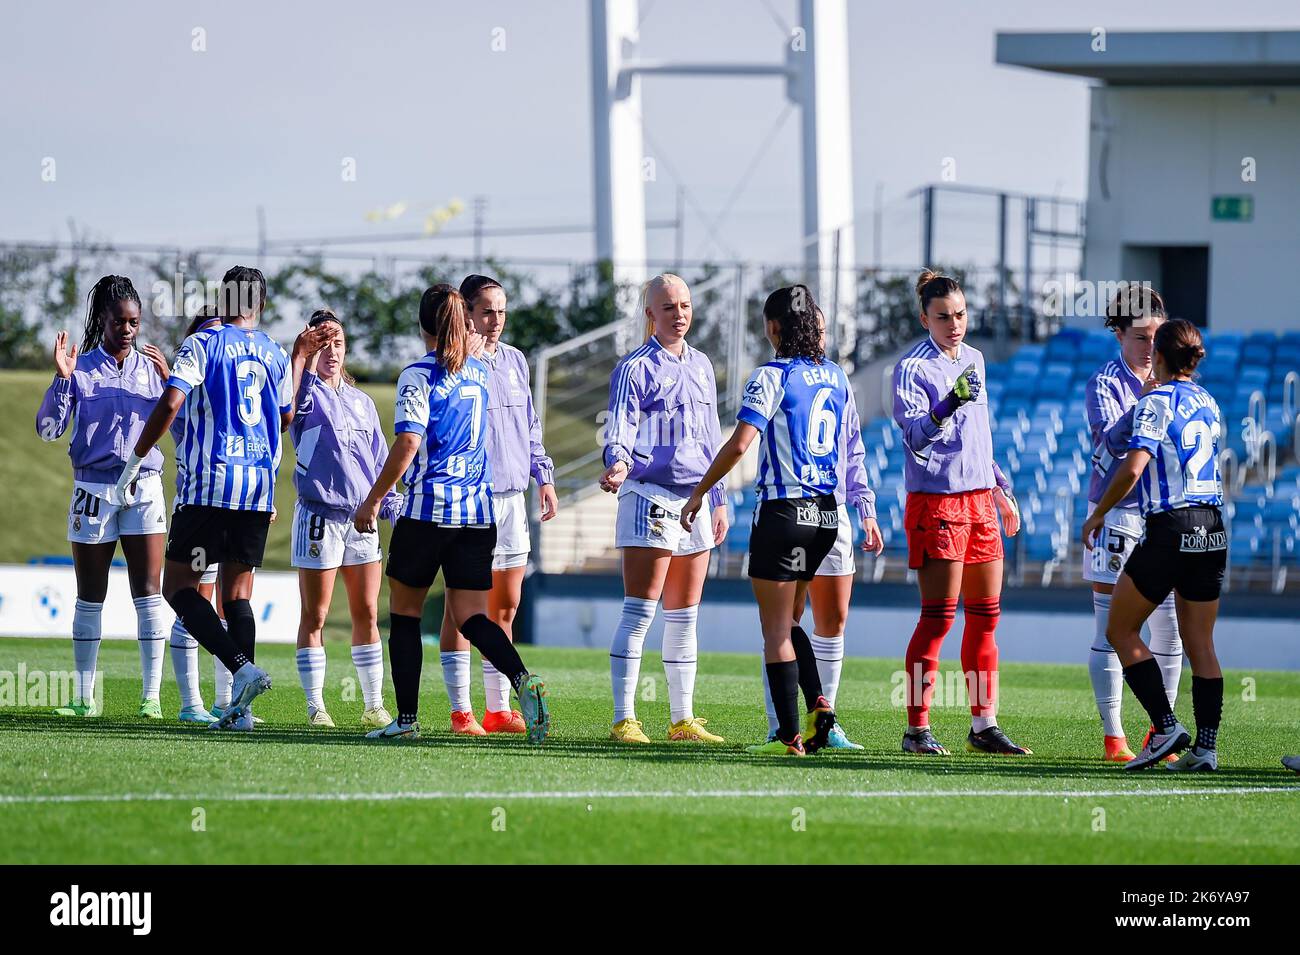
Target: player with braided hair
{"x":104,"y":392}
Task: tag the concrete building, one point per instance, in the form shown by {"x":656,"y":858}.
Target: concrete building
{"x":1194,"y":165}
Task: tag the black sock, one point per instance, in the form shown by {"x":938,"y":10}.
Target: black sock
{"x":783,"y":680}
{"x":406,"y":659}
{"x":491,"y":641}
{"x":242,"y":626}
{"x":1207,"y":704}
{"x":810,"y":681}
{"x":200,"y":618}
{"x":1147,"y":684}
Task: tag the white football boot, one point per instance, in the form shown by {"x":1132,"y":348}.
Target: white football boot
{"x":1195,"y":760}
{"x":396,"y":732}
{"x":1161,"y":745}
{"x":250,"y":682}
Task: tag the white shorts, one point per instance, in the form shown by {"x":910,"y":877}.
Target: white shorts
{"x":322,"y":544}
{"x":513,"y":541}
{"x":93,"y":520}
{"x":644,"y":523}
{"x":839,"y":562}
{"x":1124,"y":528}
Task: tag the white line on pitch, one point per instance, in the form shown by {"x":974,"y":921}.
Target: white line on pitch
{"x":645,"y":794}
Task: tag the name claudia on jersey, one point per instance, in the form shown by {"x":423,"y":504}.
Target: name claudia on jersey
{"x":1194,"y":403}
{"x":241,"y":349}
{"x":468,"y":373}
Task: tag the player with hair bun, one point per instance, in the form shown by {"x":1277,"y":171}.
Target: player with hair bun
{"x":955,"y":494}
{"x":1134,"y":314}
{"x":1173,"y":461}
{"x":104,"y":391}
{"x":447,"y":520}
{"x":795,"y":405}
{"x":661,"y":432}
{"x":340,"y":448}
{"x":516,"y":455}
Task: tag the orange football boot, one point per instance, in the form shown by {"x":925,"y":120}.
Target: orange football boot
{"x":504,"y":721}
{"x":1117,"y":750}
{"x":464,"y":724}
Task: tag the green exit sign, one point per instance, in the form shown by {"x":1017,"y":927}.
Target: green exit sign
{"x":1233,"y":208}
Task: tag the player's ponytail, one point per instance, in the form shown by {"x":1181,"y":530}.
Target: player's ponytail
{"x":443,"y":318}
{"x":108,"y":292}
{"x":661,"y":280}
{"x":205,"y":315}
{"x":931,"y":285}
{"x":795,"y":311}
{"x":320,"y":317}
{"x":1179,"y":344}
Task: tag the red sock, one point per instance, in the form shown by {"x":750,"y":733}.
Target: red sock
{"x":979,"y":654}
{"x":923,"y":657}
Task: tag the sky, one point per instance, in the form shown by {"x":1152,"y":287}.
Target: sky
{"x":155,"y":142}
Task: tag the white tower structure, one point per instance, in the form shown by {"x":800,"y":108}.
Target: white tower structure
{"x":816,"y":69}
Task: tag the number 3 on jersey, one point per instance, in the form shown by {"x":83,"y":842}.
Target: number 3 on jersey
{"x":252,"y":379}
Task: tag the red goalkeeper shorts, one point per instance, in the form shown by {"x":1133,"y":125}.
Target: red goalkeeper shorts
{"x":960,"y":527}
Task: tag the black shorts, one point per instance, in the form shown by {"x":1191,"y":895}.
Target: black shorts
{"x":419,"y":549}
{"x":1184,"y":550}
{"x":792,"y":536}
{"x":201,"y":536}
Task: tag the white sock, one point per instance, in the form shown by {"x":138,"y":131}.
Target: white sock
{"x":773,"y":721}
{"x":225,"y":680}
{"x":625,"y":654}
{"x":1104,"y":669}
{"x":829,"y":652}
{"x":311,"y":674}
{"x":496,"y":689}
{"x":1167,"y":645}
{"x":979,"y":724}
{"x":369,"y":661}
{"x":149,"y":632}
{"x":455,"y":674}
{"x":86,"y":629}
{"x":185,"y":663}
{"x":680,"y":661}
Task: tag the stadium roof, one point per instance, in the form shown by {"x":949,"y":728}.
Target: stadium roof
{"x":1245,"y":58}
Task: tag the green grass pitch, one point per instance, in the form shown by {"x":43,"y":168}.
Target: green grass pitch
{"x":122,"y":789}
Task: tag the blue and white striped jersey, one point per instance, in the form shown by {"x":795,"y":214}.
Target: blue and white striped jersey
{"x":1179,"y":424}
{"x":799,"y":405}
{"x":449,"y":481}
{"x":237,"y":383}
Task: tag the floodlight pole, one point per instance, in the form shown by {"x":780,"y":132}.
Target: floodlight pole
{"x":816,"y":71}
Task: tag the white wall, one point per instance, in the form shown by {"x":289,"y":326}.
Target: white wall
{"x":38,"y":601}
{"x":1170,"y":151}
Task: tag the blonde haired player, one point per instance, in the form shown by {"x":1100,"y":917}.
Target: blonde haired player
{"x":661,"y":433}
